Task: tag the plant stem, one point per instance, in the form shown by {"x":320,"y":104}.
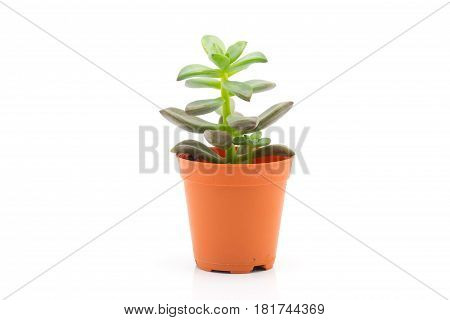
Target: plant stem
{"x":249,"y":154}
{"x":226,"y":111}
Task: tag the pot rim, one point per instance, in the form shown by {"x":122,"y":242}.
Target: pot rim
{"x":236,"y":164}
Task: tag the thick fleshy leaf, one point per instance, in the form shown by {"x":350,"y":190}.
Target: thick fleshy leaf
{"x":256,"y":136}
{"x":241,"y":140}
{"x":240,"y":89}
{"x":220,"y":60}
{"x":212,"y":44}
{"x":274,"y":150}
{"x":246,"y":61}
{"x":197,"y":150}
{"x":218,"y":138}
{"x":187,"y":122}
{"x":200,"y":107}
{"x":195,"y":143}
{"x":202,"y":83}
{"x":197,"y":70}
{"x":241,"y":123}
{"x":261,"y":142}
{"x":270,"y":150}
{"x":260,"y":85}
{"x":234,"y":51}
{"x":232,"y":107}
{"x":272,"y":114}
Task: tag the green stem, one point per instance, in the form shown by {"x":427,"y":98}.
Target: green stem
{"x":226,"y":111}
{"x":249,"y":154}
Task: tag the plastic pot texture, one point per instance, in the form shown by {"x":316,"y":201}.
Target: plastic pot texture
{"x":235,"y":212}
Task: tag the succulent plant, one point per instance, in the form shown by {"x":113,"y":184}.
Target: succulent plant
{"x":240,"y":136}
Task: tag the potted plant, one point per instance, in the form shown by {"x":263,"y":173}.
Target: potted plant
{"x":234,"y":189}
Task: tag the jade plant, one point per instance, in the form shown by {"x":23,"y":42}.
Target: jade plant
{"x":238,"y":135}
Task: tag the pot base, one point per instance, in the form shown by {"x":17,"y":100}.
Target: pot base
{"x":234,"y":269}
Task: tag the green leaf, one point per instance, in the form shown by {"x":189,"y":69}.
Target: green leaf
{"x":274,"y":150}
{"x":242,"y":123}
{"x":246,"y":61}
{"x":270,"y":150}
{"x":272,"y":114}
{"x":256,"y":136}
{"x":197,"y":150}
{"x":240,"y":89}
{"x":215,"y":49}
{"x":262,"y":142}
{"x":220,"y":60}
{"x":198,"y":70}
{"x":232,"y":107}
{"x":260,"y":85}
{"x":187,"y":122}
{"x":218,"y":138}
{"x":195,"y":143}
{"x":234,"y":51}
{"x":200,"y":107}
{"x":241,"y":140}
{"x":212,"y":44}
{"x":202,"y":83}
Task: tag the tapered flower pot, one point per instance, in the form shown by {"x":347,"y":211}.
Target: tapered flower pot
{"x":235,"y":212}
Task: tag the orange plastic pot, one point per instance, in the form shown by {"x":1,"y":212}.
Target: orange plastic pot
{"x":235,"y":212}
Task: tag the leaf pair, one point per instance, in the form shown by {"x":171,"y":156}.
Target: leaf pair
{"x":215,"y":49}
{"x":256,"y":85}
{"x":239,"y":89}
{"x":188,"y":120}
{"x":225,"y":60}
{"x":244,"y":90}
{"x":199,"y":151}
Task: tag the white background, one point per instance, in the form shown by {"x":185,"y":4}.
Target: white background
{"x":378,"y":152}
